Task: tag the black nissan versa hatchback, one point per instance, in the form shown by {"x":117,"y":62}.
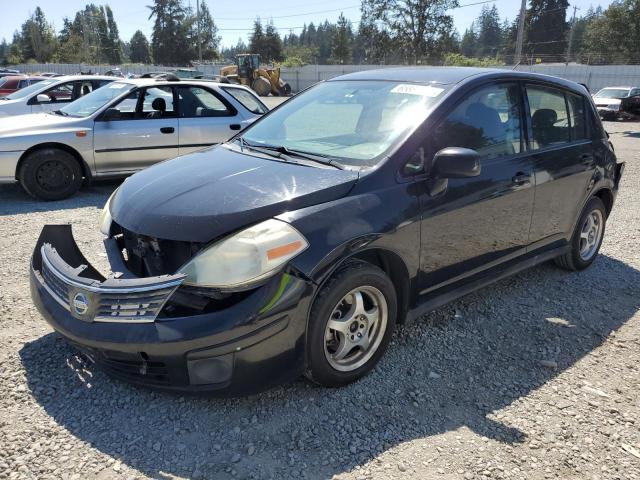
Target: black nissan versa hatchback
{"x":298,"y":246}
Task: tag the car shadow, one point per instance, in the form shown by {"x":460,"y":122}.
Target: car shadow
{"x":543,"y":314}
{"x":14,"y":200}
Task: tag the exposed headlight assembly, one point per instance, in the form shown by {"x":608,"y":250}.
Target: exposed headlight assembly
{"x":105,"y":216}
{"x":245,"y":258}
{"x":614,"y":107}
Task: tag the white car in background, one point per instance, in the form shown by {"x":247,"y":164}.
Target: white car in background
{"x":119,"y":129}
{"x":51,"y":94}
{"x":611,"y":104}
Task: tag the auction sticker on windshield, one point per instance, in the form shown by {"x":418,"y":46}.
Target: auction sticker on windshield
{"x":421,"y":90}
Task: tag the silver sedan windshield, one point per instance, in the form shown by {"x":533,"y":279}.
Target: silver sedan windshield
{"x":90,"y":103}
{"x":355,"y":121}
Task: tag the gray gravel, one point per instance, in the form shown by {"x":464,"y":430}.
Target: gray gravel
{"x":535,"y":377}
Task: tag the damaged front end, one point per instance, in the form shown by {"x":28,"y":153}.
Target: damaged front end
{"x":77,"y":286}
{"x":143,"y":324}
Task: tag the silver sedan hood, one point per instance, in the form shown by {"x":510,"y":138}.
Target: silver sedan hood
{"x":41,"y":122}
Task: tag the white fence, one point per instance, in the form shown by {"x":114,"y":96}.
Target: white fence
{"x":595,"y":76}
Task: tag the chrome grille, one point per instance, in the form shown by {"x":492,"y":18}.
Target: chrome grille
{"x":133,"y":301}
{"x":131,"y":306}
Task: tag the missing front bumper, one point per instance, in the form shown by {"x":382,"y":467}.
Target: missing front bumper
{"x":77,"y":286}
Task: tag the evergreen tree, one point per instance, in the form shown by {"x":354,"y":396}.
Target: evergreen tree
{"x":38,"y":39}
{"x":546,"y":28}
{"x":257,"y":38}
{"x":469,"y":42}
{"x":273,"y":44}
{"x":4,"y":51}
{"x":113,"y":47}
{"x":209,"y":39}
{"x":489,"y":32}
{"x":171,"y":39}
{"x":139,"y":51}
{"x":342,"y":41}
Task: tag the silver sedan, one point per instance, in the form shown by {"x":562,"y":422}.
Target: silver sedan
{"x":119,"y":129}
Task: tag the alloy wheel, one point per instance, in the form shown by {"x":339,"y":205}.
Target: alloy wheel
{"x":356,"y":328}
{"x":591,"y":234}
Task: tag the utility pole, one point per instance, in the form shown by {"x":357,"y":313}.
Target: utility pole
{"x":523,"y":12}
{"x":573,"y":26}
{"x":198,"y":23}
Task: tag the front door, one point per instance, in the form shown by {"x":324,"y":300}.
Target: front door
{"x":205,"y":118}
{"x":141,"y":131}
{"x":481,"y":221}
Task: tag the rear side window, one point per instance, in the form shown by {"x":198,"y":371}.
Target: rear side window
{"x":578,"y":117}
{"x":488,"y":121}
{"x":200,"y":102}
{"x":247,"y":100}
{"x":549,"y":117}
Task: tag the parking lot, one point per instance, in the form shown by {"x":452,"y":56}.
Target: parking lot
{"x":535,"y":377}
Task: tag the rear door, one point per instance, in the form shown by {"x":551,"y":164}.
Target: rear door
{"x":145,"y":132}
{"x":205,"y":118}
{"x":479,"y":222}
{"x":563,"y":159}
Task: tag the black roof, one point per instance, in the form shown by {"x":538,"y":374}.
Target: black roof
{"x":454,"y":75}
{"x":441,"y":75}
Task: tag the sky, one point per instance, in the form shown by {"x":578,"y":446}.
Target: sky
{"x":235,"y":18}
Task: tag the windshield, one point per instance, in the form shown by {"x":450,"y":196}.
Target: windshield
{"x":613,"y":93}
{"x":90,"y":103}
{"x":26,"y":91}
{"x":354,"y":121}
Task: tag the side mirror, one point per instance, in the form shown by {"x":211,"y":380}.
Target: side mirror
{"x":456,"y":162}
{"x":43,"y":98}
{"x":111,"y":114}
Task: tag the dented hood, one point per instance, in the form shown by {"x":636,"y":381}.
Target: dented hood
{"x":210,"y":193}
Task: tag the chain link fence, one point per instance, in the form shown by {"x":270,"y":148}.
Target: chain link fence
{"x":594,"y":76}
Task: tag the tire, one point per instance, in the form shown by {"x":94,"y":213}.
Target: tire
{"x":333,"y":361}
{"x":50,"y":174}
{"x":586,"y":239}
{"x":261,"y":86}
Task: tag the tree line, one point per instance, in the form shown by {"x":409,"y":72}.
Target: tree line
{"x":388,"y":32}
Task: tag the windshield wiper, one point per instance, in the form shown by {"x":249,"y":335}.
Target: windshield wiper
{"x":60,"y":112}
{"x":282,"y":150}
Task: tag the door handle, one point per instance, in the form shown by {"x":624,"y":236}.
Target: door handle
{"x":235,"y":126}
{"x":521,"y":178}
{"x":167,"y":129}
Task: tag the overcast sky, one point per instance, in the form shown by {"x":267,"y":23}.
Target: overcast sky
{"x":235,"y":18}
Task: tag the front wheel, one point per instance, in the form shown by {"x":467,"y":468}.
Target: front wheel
{"x":50,"y":174}
{"x":351,"y":323}
{"x":587,"y":238}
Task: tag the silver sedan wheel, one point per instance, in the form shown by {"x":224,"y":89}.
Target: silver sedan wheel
{"x":591,"y":234}
{"x":356,"y":328}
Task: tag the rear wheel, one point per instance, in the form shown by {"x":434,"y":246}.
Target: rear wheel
{"x":351,"y":323}
{"x":587,"y":238}
{"x":50,"y":174}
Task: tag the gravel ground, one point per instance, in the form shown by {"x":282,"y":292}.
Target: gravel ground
{"x":535,"y":377}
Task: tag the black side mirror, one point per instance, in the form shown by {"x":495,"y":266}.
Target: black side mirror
{"x":111,"y":114}
{"x":456,"y":162}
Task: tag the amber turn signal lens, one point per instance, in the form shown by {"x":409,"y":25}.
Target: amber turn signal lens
{"x":283,"y":250}
{"x":81,"y":134}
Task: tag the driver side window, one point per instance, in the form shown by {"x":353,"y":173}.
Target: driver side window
{"x":487,"y":121}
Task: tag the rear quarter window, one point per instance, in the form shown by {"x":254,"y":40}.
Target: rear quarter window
{"x":247,"y":100}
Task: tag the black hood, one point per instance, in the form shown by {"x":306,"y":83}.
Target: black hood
{"x":204,"y":195}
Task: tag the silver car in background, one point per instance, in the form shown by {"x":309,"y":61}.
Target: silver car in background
{"x":50,"y":94}
{"x":119,"y":129}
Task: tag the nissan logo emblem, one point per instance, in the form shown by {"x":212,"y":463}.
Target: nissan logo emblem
{"x":80,"y":303}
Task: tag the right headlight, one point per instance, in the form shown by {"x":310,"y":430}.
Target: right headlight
{"x":614,"y":107}
{"x":246,"y":257}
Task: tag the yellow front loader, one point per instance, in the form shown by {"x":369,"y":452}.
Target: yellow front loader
{"x":247,"y":71}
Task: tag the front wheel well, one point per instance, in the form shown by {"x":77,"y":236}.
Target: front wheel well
{"x":86,"y":171}
{"x":397,"y":271}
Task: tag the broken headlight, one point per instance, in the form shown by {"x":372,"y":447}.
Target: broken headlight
{"x":245,"y":258}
